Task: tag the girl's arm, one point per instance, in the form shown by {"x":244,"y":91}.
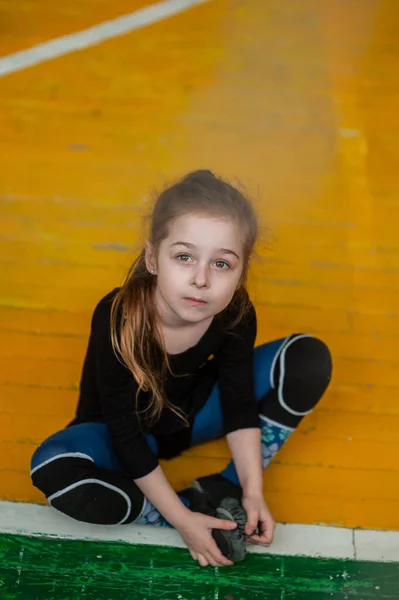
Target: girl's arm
{"x":245,"y":446}
{"x":240,"y":411}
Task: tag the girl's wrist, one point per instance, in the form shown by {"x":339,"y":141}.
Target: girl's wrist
{"x":181,"y":517}
{"x":252,"y":491}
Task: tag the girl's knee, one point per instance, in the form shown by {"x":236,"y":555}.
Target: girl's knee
{"x":94,"y":501}
{"x":58,"y":460}
{"x":52,"y":470}
{"x":307,"y":357}
{"x":75,"y":486}
{"x":302,"y":372}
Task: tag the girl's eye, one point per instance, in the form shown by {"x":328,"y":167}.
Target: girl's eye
{"x":183,"y":257}
{"x":221,"y":264}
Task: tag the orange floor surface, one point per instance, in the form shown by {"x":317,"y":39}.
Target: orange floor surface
{"x":299,"y":101}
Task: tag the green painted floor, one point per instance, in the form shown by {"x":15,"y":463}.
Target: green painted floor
{"x":50,"y":569}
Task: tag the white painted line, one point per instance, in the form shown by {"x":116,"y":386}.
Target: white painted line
{"x":383,"y":545}
{"x":310,"y":540}
{"x":19,"y":518}
{"x":94,"y":35}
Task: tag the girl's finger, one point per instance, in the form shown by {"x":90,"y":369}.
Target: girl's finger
{"x":217,"y":556}
{"x":266,"y":531}
{"x":258,"y":540}
{"x":252,"y":523}
{"x":212,"y":561}
{"x":193,"y":554}
{"x":265,"y":536}
{"x":202,"y":560}
{"x":215,"y":523}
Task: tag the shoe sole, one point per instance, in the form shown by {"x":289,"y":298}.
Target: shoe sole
{"x":231,"y":510}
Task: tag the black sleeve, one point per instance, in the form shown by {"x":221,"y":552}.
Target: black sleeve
{"x":235,"y":375}
{"x":117,"y":390}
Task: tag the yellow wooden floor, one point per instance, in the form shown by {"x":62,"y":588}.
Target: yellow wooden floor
{"x":298,"y":99}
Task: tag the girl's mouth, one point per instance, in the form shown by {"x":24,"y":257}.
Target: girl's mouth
{"x":195,"y":301}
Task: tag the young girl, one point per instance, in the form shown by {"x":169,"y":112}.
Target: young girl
{"x":170,"y":364}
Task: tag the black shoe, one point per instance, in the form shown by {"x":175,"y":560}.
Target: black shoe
{"x":230,"y":542}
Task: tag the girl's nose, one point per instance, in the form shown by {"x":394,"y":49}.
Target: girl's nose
{"x":201,"y":277}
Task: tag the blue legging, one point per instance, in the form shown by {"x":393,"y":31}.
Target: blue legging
{"x":92,"y":439}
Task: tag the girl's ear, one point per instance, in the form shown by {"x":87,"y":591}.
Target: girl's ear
{"x":149,"y":257}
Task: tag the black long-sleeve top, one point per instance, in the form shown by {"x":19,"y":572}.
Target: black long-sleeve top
{"x":108,"y":388}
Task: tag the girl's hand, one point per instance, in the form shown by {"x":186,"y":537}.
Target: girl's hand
{"x":196,"y":531}
{"x":258,"y":517}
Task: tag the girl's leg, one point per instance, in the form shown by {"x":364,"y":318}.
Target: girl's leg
{"x":80,"y":475}
{"x":291,"y":375}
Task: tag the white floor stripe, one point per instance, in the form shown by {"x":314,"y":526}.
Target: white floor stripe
{"x":290,"y":540}
{"x":93,"y":35}
{"x":384,"y":544}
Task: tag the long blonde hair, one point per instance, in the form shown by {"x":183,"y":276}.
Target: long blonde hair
{"x":199,"y":192}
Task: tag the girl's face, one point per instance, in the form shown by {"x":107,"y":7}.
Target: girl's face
{"x":198,"y":268}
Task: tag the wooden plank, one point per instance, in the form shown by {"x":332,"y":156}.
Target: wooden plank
{"x":39,"y":401}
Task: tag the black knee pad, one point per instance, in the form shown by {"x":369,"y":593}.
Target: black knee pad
{"x":302,"y":372}
{"x":60,"y":473}
{"x":78,"y":488}
{"x":93,"y":501}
